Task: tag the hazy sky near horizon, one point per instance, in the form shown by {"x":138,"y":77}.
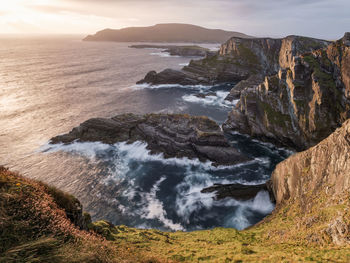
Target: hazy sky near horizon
{"x":317,"y":18}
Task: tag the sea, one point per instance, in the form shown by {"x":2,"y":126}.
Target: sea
{"x":50,"y":84}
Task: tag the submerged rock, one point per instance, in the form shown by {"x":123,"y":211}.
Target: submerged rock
{"x":238,"y":191}
{"x":174,"y":135}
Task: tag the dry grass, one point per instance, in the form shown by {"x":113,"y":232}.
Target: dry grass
{"x":34,"y":228}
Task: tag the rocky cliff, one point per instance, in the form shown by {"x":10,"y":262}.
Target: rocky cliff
{"x":312,"y":188}
{"x":173,"y":135}
{"x":240,"y":58}
{"x":304,"y":102}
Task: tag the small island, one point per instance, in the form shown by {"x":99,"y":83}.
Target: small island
{"x":183,"y":51}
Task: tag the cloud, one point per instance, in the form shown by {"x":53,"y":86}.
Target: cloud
{"x":318,"y":18}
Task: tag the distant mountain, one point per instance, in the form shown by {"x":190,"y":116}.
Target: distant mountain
{"x":165,"y":33}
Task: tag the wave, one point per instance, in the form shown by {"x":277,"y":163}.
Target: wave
{"x":164,"y":54}
{"x":127,"y":166}
{"x":138,"y":151}
{"x":154,"y":208}
{"x":168,"y":86}
{"x":214,"y":100}
{"x":245,"y":210}
{"x":189,"y":199}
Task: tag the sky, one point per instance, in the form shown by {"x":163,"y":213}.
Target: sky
{"x":327,"y":19}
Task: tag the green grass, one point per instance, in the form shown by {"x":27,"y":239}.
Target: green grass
{"x":285,"y":236}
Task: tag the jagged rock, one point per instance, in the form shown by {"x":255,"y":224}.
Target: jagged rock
{"x":238,"y":59}
{"x":251,"y":82}
{"x":168,"y":76}
{"x":174,"y":135}
{"x":304,"y":102}
{"x":237,"y":191}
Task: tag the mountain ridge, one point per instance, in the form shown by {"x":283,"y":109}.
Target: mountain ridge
{"x":168,"y":32}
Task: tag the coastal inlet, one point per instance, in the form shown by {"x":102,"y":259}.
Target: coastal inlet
{"x":120,"y":182}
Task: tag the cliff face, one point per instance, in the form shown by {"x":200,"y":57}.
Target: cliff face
{"x":239,"y":59}
{"x":312,"y":187}
{"x":304,"y":102}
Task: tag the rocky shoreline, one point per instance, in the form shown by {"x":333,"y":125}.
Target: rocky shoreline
{"x":293,"y":92}
{"x":182,"y":51}
{"x":173,"y":135}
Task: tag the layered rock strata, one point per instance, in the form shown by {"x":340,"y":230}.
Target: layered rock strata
{"x":312,"y":187}
{"x":302,"y":104}
{"x":174,"y":135}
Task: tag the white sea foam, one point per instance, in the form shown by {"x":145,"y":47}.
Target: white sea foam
{"x":87,"y":149}
{"x":239,"y":220}
{"x":215,"y":48}
{"x":184,"y":64}
{"x":167,"y":86}
{"x":214,"y":100}
{"x":189,"y":197}
{"x":154,"y":208}
{"x":164,"y":54}
{"x":136,"y":151}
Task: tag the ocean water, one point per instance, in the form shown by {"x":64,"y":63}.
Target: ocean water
{"x":48,"y":85}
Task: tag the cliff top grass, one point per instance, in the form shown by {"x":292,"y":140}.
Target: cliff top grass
{"x":34,"y":228}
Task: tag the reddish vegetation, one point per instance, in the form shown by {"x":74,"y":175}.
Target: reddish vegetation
{"x":34,"y":227}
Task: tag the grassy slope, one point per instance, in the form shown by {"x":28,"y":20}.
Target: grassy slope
{"x":33,"y":228}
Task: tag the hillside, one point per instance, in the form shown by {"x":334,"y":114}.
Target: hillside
{"x":171,"y":33}
{"x":310,"y":222}
{"x":39,"y":223}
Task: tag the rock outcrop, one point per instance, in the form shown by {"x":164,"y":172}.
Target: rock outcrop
{"x":183,"y":51}
{"x":313,"y":186}
{"x":169,"y":76}
{"x":238,"y":191}
{"x":240,"y":58}
{"x":304,"y":102}
{"x":174,"y":135}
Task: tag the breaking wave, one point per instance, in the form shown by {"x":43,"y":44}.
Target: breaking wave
{"x":215,"y":100}
{"x":154,"y":192}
